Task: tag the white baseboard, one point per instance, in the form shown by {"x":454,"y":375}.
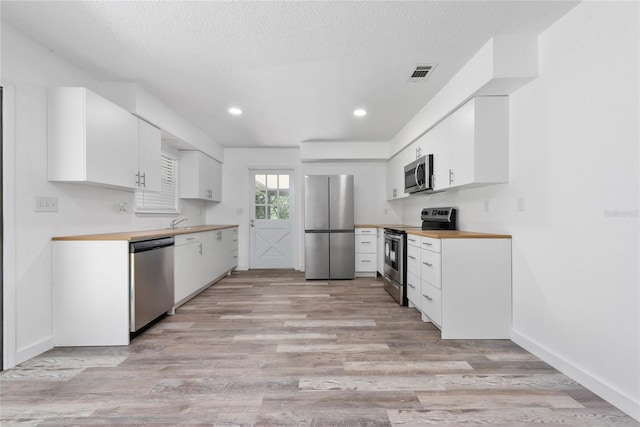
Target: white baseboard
{"x":33,"y":350}
{"x":611,"y":394}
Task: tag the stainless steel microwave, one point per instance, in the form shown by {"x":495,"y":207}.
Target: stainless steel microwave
{"x":418,"y":175}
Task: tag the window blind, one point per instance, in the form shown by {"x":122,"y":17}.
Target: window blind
{"x":166,"y":200}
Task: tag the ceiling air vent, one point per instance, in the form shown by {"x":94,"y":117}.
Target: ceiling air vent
{"x":420,"y":73}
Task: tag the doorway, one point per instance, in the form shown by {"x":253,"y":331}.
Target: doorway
{"x":271,"y":224}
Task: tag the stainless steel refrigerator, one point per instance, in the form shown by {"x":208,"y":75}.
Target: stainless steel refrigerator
{"x":329,"y":239}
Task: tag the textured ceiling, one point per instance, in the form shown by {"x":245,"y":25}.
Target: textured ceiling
{"x":297,"y":69}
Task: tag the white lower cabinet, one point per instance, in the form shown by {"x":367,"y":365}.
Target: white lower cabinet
{"x":380,"y":251}
{"x":413,"y":271}
{"x":90,"y":283}
{"x":366,"y":253}
{"x":462,"y":285}
{"x":201,"y":259}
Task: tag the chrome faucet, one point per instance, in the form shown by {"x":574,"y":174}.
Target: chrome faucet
{"x":175,"y":222}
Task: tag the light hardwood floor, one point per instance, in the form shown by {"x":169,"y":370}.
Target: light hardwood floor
{"x":267,"y":348}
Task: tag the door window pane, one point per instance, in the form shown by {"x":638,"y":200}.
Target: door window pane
{"x":272,"y":196}
{"x":273,"y":212}
{"x":284,"y":212}
{"x":272,"y":182}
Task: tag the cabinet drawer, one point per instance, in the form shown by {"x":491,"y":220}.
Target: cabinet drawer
{"x":183,"y":239}
{"x":431,"y":244}
{"x":414,"y":290}
{"x":366,"y":244}
{"x":366,"y":231}
{"x":431,"y":303}
{"x":430,"y":268}
{"x":413,"y":240}
{"x":413,"y":260}
{"x":365,"y":262}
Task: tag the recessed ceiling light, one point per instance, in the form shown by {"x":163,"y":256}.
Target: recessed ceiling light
{"x":235,"y":111}
{"x":359,"y":112}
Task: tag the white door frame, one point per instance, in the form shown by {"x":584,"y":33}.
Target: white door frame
{"x":295,"y":207}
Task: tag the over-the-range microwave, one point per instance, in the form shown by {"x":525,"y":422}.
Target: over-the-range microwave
{"x":418,"y":175}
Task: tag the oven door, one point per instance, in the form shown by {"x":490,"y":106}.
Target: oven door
{"x":393,"y":256}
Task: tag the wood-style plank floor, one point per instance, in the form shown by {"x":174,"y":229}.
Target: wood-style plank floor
{"x":267,"y":348}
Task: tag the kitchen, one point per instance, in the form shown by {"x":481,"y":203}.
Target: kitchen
{"x":573,"y":306}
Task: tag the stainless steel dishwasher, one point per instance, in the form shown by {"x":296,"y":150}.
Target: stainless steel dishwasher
{"x":151,"y":280}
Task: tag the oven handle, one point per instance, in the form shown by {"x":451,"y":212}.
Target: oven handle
{"x":392,"y":237}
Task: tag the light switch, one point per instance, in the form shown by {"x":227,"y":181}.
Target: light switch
{"x":46,"y":204}
{"x":486,"y":206}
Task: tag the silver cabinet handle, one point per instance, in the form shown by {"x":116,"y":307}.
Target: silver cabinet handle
{"x":411,"y":285}
{"x":428,"y":297}
{"x":365,"y":231}
{"x":138,"y":178}
{"x":191,"y":238}
{"x":427,"y":264}
{"x":427,"y":243}
{"x":366,"y":260}
{"x":144,"y":179}
{"x":365,"y":243}
{"x":412,"y":257}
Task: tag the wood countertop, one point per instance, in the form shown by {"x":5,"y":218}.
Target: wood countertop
{"x":438,"y":234}
{"x":456,"y":234}
{"x":147,"y":234}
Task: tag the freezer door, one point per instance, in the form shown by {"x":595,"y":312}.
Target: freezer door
{"x":341,"y":202}
{"x":316,"y":202}
{"x":316,"y":255}
{"x":342,"y":255}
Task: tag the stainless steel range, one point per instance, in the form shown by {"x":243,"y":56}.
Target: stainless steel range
{"x":395,"y":249}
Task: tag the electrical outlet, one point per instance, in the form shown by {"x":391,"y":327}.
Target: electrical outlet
{"x":520,"y":204}
{"x":46,"y":204}
{"x":486,"y":206}
{"x":123,"y":207}
{"x":238,"y":211}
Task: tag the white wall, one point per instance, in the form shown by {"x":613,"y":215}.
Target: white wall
{"x":574,"y":158}
{"x":30,"y":69}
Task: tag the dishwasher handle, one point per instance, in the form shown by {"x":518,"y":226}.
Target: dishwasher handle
{"x":149,"y":245}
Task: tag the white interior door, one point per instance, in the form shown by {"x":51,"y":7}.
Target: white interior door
{"x":271,"y":219}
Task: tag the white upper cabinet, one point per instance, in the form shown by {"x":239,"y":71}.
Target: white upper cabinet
{"x":395,"y":176}
{"x":149,"y":149}
{"x":480,"y":142}
{"x":200,"y":177}
{"x":438,"y":142}
{"x":90,"y":139}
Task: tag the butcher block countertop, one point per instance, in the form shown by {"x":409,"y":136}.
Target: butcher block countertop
{"x":438,"y":234}
{"x":147,"y":234}
{"x":456,"y":234}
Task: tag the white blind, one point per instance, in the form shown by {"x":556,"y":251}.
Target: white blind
{"x":166,"y":200}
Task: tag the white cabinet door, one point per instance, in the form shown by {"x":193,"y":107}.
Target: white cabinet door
{"x":149,"y":148}
{"x":380,"y":251}
{"x":395,"y":176}
{"x":200,"y":177}
{"x":90,"y":139}
{"x":216,"y":181}
{"x":480,"y":142}
{"x":187,"y":269}
{"x":438,"y":143}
